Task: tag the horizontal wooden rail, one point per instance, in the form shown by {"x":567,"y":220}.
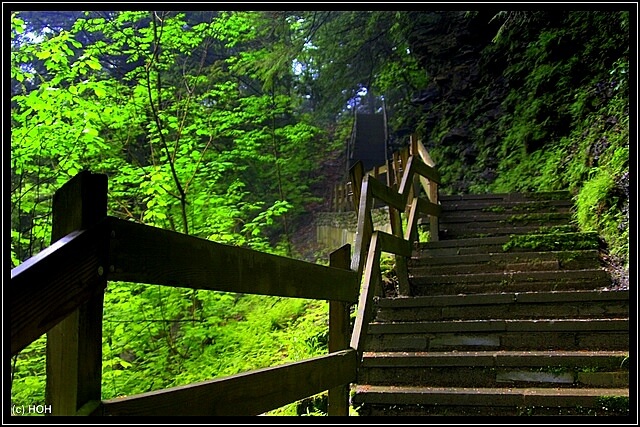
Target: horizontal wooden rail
{"x":386,"y":194}
{"x":400,"y":194}
{"x":145,"y":254}
{"x":52,"y":284}
{"x":251,"y":393}
{"x":60,"y":291}
{"x":393,"y":244}
{"x":417,"y":166}
{"x":372,"y":188}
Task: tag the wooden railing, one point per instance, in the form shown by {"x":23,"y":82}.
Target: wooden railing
{"x":60,"y":292}
{"x":402,"y":196}
{"x":344,"y":197}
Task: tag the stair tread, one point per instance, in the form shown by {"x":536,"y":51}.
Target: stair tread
{"x":505,"y":297}
{"x":586,"y":273}
{"x":496,"y":354}
{"x":478,"y":296}
{"x":487,"y":256}
{"x":500,"y":358}
{"x":500,"y":325}
{"x":472,"y":241}
{"x":491,"y":391}
{"x":535,"y":194}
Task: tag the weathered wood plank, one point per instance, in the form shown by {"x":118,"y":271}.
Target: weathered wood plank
{"x":427,"y":171}
{"x":416,"y":166}
{"x":418,"y":148}
{"x":356,"y":173}
{"x":372,"y":279}
{"x":250,"y":393}
{"x":411,"y":233}
{"x":74,"y":346}
{"x":339,"y":334}
{"x":51,"y":285}
{"x":393,"y":244}
{"x":426,"y":207}
{"x":364,"y":227}
{"x":434,"y":227}
{"x":387,"y":195}
{"x":150,"y":255}
{"x":401,"y":248}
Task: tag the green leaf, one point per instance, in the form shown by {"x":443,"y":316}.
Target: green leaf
{"x":43,"y":55}
{"x":94,"y":64}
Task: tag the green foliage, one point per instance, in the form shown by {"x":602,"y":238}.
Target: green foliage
{"x":614,"y":404}
{"x":217,"y":126}
{"x":560,"y":125}
{"x":157,"y":337}
{"x":28,"y":374}
{"x":189,"y":144}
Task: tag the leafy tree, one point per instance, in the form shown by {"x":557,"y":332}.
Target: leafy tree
{"x":189,"y":143}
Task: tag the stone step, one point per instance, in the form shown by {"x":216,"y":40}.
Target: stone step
{"x":500,"y":325}
{"x":504,"y":261}
{"x":500,"y":206}
{"x":505,"y":243}
{"x":411,"y":400}
{"x":513,"y":276}
{"x":454,"y":211}
{"x":500,"y":334}
{"x":448,"y":216}
{"x":473,"y":231}
{"x":527,"y":305}
{"x":461,"y":246}
{"x":473,"y":225}
{"x":535,"y":196}
{"x":424,"y":258}
{"x":512,"y":314}
{"x":497,"y":369}
{"x":493,"y":267}
{"x":518,"y":281}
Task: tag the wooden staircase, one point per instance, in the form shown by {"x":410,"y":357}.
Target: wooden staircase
{"x":511,"y":313}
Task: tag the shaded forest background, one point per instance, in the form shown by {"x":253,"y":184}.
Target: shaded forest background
{"x":232,"y":126}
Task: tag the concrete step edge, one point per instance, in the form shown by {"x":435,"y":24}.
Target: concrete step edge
{"x":504,"y":298}
{"x":501,"y":359}
{"x":555,"y":397}
{"x":500,"y":325}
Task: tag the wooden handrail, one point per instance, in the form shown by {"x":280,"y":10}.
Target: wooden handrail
{"x":345,"y":195}
{"x":372,"y":279}
{"x":250,"y":393}
{"x":61,"y":290}
{"x":58,"y":280}
{"x":58,"y":288}
{"x":400,"y":195}
{"x":175,"y":259}
{"x":399,"y":200}
{"x":49,"y":286}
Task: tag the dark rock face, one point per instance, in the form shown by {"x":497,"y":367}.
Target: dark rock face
{"x":532,"y":72}
{"x":449,"y":46}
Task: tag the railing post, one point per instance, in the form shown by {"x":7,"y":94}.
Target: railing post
{"x":339,"y":334}
{"x":434,"y":226}
{"x":417,"y":149}
{"x":356,"y":173}
{"x":401,"y":262}
{"x":74,"y":346}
